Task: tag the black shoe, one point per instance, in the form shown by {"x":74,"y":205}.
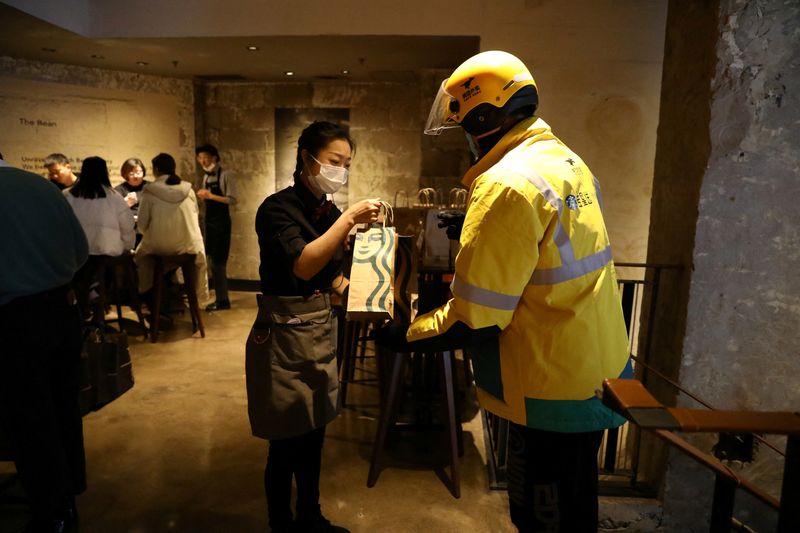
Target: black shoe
{"x":317,"y":524}
{"x":219,"y":305}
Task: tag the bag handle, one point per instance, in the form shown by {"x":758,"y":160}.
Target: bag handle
{"x":388,"y":213}
{"x":428,"y":197}
{"x":388,"y":216}
{"x":405,"y":195}
{"x":457,"y":198}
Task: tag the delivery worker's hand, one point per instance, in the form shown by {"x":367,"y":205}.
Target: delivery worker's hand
{"x":391,"y":337}
{"x":453,"y":221}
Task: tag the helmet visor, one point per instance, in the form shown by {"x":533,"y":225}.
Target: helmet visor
{"x":444,"y":113}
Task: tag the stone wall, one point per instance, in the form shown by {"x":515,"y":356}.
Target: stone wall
{"x":726,"y":183}
{"x":109,"y":88}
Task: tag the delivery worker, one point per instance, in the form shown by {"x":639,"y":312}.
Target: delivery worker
{"x":535,"y":299}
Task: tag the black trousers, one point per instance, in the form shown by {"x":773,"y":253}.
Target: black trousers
{"x":39,"y":379}
{"x":300,"y":457}
{"x":552,"y":480}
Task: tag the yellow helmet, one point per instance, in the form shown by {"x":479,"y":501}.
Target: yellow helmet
{"x":481,"y":92}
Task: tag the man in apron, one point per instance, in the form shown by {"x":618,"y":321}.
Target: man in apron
{"x":219,"y":194}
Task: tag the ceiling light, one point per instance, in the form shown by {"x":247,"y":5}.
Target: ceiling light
{"x":345,"y":71}
{"x":51,"y":50}
{"x":289,"y":73}
{"x":252,"y":48}
{"x":142,"y":63}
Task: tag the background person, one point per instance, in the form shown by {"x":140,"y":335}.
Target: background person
{"x":535,"y":298}
{"x":106,"y":220}
{"x":292,"y":378}
{"x":133,"y":172}
{"x":219,"y":193}
{"x":42,"y":246}
{"x":59,"y":171}
{"x":168,"y":220}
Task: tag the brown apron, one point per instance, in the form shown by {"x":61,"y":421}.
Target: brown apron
{"x":292,"y":378}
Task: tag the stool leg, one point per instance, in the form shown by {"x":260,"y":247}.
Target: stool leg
{"x":386,"y":415}
{"x":132,"y":282}
{"x":452,"y":422}
{"x":191,"y":290}
{"x":158,"y":277}
{"x":351,"y":370}
{"x":347,"y":361}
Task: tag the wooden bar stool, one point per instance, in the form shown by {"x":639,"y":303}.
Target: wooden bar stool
{"x":121,"y":287}
{"x":390,"y":404}
{"x":186,"y":262}
{"x":353,"y":346}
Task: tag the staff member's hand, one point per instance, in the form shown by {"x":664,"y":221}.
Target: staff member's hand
{"x":204,"y":193}
{"x":365,"y":211}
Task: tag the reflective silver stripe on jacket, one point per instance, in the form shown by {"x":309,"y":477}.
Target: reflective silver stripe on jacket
{"x":570,"y":268}
{"x":485,"y":297}
{"x":576,"y":269}
{"x":598,"y":191}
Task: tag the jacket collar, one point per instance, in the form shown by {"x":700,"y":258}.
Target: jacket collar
{"x":532,"y":128}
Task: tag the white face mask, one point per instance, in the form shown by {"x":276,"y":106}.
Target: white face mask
{"x":209,"y":168}
{"x":330,"y":178}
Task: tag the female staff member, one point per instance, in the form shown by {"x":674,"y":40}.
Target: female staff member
{"x":292,"y":382}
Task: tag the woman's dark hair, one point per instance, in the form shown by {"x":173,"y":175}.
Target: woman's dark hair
{"x":94,"y":175}
{"x":316,"y":137}
{"x":130,"y":164}
{"x":165,"y":164}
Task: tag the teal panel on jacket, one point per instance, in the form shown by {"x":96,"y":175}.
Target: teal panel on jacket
{"x":574,"y":416}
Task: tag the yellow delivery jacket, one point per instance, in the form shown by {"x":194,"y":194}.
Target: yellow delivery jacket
{"x":536,"y":262}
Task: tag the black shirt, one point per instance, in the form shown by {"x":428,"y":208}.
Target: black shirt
{"x":285,"y":223}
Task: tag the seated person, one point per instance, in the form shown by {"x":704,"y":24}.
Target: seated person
{"x":133,"y":172}
{"x":168,"y":220}
{"x":105,"y":219}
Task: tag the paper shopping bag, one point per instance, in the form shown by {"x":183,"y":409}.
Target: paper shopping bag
{"x":371,"y":293}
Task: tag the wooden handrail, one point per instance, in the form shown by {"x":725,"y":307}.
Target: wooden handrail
{"x":632,"y":400}
{"x":629,"y":398}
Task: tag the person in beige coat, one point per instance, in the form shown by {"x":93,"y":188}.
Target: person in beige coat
{"x":168,"y":220}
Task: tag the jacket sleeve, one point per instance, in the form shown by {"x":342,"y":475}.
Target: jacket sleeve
{"x":143,"y":218}
{"x":228,"y":186}
{"x":126,"y":223}
{"x":499,"y":251}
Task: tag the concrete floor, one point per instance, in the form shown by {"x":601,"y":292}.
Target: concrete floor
{"x":175,"y":453}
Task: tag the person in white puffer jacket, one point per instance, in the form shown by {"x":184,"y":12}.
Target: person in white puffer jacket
{"x":169,"y":223}
{"x":102,"y":212}
{"x":109,"y":228}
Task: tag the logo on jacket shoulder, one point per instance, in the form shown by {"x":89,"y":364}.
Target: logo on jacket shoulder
{"x":575,"y":169}
{"x":582,"y":199}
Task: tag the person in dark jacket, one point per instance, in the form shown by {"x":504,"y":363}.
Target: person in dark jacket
{"x":42,"y":246}
{"x":133,"y":172}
